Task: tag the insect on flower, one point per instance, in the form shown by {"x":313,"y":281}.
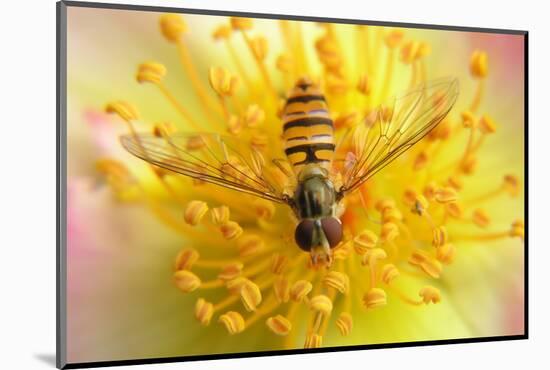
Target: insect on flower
{"x":320,"y":169}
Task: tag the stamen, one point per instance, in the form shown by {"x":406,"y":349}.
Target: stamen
{"x":173,"y":28}
{"x":251,"y":295}
{"x":233,"y":322}
{"x":518,"y":229}
{"x":279,"y":263}
{"x":344,"y":323}
{"x":258,"y":48}
{"x":420,"y":205}
{"x":124,"y":110}
{"x":364,"y":85}
{"x":249,"y":245}
{"x":389,"y":273}
{"x":194,"y":212}
{"x":430,"y":294}
{"x":321,"y":303}
{"x":300,"y":290}
{"x":479,"y":69}
{"x":487,"y":125}
{"x":204,"y":311}
{"x":220,"y":215}
{"x":186,"y":259}
{"x":337,"y":280}
{"x":421,"y":161}
{"x":313,"y":341}
{"x":231,"y":230}
{"x":440,"y":236}
{"x":374,"y":298}
{"x":446,"y":195}
{"x":512,"y":185}
{"x":279,"y":325}
{"x":371,"y":258}
{"x":254,"y":116}
{"x":231,"y":271}
{"x":389,"y":232}
{"x":445,"y":253}
{"x":426,"y":263}
{"x":392,"y":41}
{"x":480,"y":218}
{"x":281,"y":288}
{"x":186,"y":281}
{"x":365,"y":240}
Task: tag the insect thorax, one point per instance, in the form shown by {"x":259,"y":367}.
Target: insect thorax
{"x":315,"y":196}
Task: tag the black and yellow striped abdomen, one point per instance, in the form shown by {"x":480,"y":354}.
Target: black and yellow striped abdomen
{"x":308,"y":130}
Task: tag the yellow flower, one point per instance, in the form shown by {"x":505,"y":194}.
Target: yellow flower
{"x":402,"y":231}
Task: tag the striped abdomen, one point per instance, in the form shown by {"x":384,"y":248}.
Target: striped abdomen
{"x":307,"y":127}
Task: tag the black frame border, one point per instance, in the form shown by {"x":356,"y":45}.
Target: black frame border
{"x":61,"y":174}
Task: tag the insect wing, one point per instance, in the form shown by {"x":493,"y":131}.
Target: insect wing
{"x":211,"y":158}
{"x":393,"y":129}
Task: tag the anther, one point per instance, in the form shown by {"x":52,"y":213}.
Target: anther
{"x":233,"y":322}
{"x":186,"y":281}
{"x":279,"y":325}
{"x":194,"y":212}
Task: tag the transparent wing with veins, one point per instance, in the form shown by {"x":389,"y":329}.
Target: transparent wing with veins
{"x":393,"y":129}
{"x":212,"y":158}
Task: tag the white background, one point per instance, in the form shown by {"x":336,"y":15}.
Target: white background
{"x":27,"y":185}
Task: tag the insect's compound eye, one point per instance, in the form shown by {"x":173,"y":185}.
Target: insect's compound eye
{"x":332,"y":227}
{"x":304,"y":234}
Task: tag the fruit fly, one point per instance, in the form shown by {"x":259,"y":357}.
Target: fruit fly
{"x":319,"y":171}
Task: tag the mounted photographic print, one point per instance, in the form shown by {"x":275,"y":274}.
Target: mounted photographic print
{"x":237,"y":184}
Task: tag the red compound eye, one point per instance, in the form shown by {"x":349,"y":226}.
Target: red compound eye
{"x":304,"y":234}
{"x":332,"y":228}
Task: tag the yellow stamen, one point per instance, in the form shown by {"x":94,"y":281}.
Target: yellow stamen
{"x":251,"y":295}
{"x":446,"y":195}
{"x":445,"y":253}
{"x":281,"y":288}
{"x":392,"y":41}
{"x":365,"y":240}
{"x":375,"y":298}
{"x":430,"y":294}
{"x":254,"y":116}
{"x":233,"y":322}
{"x":194,"y":212}
{"x":172,"y":27}
{"x":480,"y":218}
{"x":124,"y":110}
{"x":150,"y":72}
{"x":231,"y":271}
{"x":389,"y":273}
{"x":204,"y":311}
{"x":337,"y":280}
{"x":279,"y":263}
{"x":344,"y":323}
{"x":186,"y":281}
{"x":426,"y":263}
{"x":220,"y":215}
{"x":487,"y":125}
{"x":279,"y":325}
{"x":479,"y":66}
{"x":389,"y":232}
{"x":313,"y":341}
{"x":440,"y":236}
{"x":231,"y":230}
{"x":300,"y":290}
{"x":258,"y":48}
{"x":249,"y":245}
{"x":186,"y":259}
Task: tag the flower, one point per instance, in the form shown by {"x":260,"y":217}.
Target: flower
{"x":408,"y":232}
